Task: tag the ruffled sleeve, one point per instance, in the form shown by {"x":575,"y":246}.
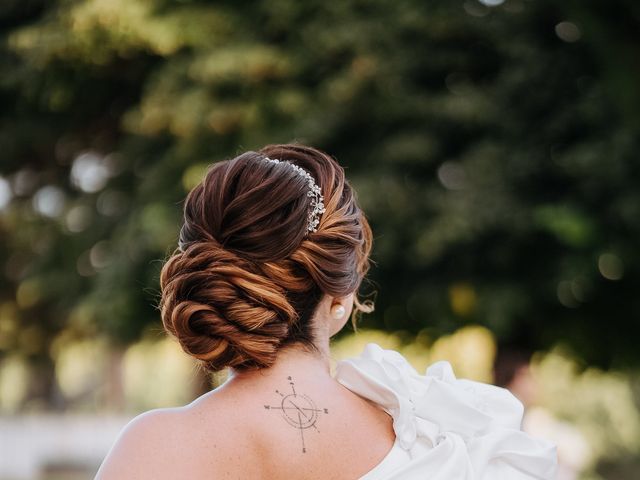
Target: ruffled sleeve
{"x":451,"y":428}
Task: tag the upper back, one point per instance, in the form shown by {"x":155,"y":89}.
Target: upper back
{"x":294,"y":428}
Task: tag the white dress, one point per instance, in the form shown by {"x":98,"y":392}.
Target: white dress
{"x":446,"y":428}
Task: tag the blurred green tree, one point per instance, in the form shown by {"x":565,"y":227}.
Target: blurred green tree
{"x":493,"y":146}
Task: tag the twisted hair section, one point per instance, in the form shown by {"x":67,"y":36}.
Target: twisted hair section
{"x":247,"y":276}
{"x":222,"y":309}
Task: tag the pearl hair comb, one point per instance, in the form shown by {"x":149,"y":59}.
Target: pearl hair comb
{"x":317,"y":200}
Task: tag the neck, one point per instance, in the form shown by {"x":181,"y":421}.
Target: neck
{"x":293,"y":360}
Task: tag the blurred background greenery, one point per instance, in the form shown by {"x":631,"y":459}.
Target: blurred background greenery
{"x":493,"y":145}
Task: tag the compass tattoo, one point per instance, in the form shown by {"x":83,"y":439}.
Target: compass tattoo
{"x":298,"y":410}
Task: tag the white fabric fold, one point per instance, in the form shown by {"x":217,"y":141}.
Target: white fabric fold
{"x":446,"y":428}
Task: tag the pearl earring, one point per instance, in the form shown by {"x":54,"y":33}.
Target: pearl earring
{"x":338,"y":311}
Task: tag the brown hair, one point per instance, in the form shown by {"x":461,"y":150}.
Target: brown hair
{"x":246,"y":277}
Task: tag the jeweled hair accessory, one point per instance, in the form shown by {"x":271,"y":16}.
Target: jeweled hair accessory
{"x":317,"y":200}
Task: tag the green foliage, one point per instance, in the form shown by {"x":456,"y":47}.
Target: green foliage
{"x":493,"y":150}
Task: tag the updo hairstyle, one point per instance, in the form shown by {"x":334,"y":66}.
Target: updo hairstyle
{"x":247,"y":276}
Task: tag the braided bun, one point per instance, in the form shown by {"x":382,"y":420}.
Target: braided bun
{"x":246,"y":277}
{"x":221,"y":310}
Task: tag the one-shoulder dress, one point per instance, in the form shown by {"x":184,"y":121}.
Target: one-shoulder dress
{"x":446,"y":428}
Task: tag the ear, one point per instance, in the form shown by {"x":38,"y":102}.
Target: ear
{"x":340,"y":309}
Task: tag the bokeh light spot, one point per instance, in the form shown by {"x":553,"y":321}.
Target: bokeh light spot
{"x":610,"y":266}
{"x":568,"y":32}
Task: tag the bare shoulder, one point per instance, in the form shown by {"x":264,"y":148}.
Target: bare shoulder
{"x":144,"y":447}
{"x":182,"y":442}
